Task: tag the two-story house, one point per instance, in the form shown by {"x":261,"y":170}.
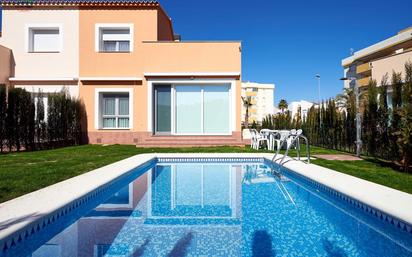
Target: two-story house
{"x":139,"y":85}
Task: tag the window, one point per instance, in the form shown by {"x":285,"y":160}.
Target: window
{"x":44,"y":101}
{"x":115,"y":111}
{"x":44,"y":40}
{"x":114,"y":38}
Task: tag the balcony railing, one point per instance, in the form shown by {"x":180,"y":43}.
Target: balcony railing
{"x":363,"y":81}
{"x":363,"y":68}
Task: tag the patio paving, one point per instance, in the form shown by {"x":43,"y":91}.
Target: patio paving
{"x":338,"y":157}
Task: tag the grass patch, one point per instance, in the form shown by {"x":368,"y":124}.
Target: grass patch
{"x":373,"y":171}
{"x":21,"y":173}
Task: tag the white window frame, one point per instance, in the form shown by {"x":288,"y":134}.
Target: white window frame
{"x":201,"y":82}
{"x":44,"y":26}
{"x":98,"y":106}
{"x":101,"y":26}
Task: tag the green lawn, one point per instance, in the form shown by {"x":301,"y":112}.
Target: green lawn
{"x":21,"y":173}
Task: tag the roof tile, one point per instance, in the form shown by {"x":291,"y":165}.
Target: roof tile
{"x":77,"y":2}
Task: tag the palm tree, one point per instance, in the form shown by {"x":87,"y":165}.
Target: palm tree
{"x":247,"y":103}
{"x":283,"y":105}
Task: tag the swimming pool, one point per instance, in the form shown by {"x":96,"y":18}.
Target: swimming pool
{"x":229,"y":207}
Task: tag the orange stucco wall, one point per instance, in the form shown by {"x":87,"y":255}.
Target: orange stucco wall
{"x":149,"y":55}
{"x":164,"y":27}
{"x":191,"y":56}
{"x":93,"y":63}
{"x":6,"y":64}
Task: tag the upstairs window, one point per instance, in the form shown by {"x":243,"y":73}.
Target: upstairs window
{"x":44,"y":40}
{"x":114,"y":38}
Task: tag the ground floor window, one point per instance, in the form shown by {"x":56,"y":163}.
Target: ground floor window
{"x":115,"y":110}
{"x":192,"y":109}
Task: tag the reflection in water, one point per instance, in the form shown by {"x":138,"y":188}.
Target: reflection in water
{"x":262,"y":244}
{"x":223,"y":210}
{"x":181,"y":247}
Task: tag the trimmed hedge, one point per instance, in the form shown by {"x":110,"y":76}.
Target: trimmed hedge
{"x":24,"y":126}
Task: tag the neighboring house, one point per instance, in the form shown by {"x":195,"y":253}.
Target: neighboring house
{"x":262,"y":99}
{"x":139,"y":83}
{"x":304,"y":108}
{"x":382,"y":58}
{"x":6,"y":65}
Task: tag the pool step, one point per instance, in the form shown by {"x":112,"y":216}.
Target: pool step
{"x":190,"y":141}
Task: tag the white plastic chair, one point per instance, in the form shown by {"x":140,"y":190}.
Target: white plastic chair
{"x":257,"y":139}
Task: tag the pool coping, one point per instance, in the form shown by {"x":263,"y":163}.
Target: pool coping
{"x":35,"y":210}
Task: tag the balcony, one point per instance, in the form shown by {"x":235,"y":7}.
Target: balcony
{"x":211,"y":57}
{"x":363,"y":68}
{"x":363,"y":81}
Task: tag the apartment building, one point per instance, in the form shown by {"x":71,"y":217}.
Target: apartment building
{"x":138,"y":84}
{"x":262,"y":100}
{"x":374,"y":61}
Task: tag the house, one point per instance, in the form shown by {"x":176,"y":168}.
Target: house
{"x":138,"y":82}
{"x":374,"y":61}
{"x":262,"y":100}
{"x":304,"y":107}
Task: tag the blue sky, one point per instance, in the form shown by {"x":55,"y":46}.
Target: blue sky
{"x":288,"y":42}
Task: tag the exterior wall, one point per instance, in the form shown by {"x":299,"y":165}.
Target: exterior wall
{"x":191,"y":57}
{"x":147,"y":56}
{"x":80,"y":60}
{"x":392,"y":63}
{"x":164,"y":27}
{"x":87,"y":93}
{"x":6,"y":64}
{"x":262,"y":100}
{"x":97,"y":64}
{"x":15,"y":37}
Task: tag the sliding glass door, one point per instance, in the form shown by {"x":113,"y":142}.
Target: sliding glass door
{"x":188,"y":109}
{"x":184,"y":109}
{"x":163,"y":111}
{"x":216,"y":110}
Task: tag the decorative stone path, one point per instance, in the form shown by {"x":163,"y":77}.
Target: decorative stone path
{"x":338,"y":157}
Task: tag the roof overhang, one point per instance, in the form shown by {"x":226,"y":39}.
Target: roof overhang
{"x":111,"y":78}
{"x":43,"y":79}
{"x":191,"y":74}
{"x":392,"y":41}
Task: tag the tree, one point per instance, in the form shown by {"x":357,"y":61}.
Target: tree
{"x":404,"y":135}
{"x":283,"y":105}
{"x":3,"y":111}
{"x":297,"y":120}
{"x":370,"y":119}
{"x":40,"y":124}
{"x":247,"y":103}
{"x":383,"y":118}
{"x":395,"y":117}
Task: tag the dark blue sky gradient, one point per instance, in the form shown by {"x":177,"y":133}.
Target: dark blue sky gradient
{"x":288,"y":42}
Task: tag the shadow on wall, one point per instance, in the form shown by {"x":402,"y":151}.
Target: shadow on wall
{"x":262,"y":244}
{"x":84,"y":138}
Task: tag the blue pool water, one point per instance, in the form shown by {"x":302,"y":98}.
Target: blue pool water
{"x":217,"y":209}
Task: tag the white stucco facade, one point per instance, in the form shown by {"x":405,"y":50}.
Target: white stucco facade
{"x":262,"y":99}
{"x":15,"y":35}
{"x":304,"y":108}
{"x":48,"y":71}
